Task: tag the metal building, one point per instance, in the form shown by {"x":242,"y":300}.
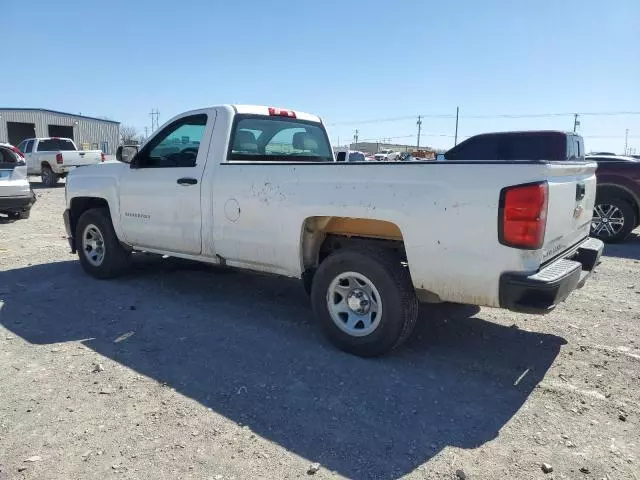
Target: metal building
{"x":88,"y":133}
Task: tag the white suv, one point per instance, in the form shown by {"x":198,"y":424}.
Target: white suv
{"x":16,"y":196}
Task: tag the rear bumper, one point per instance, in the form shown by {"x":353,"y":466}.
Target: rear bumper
{"x":17,"y":204}
{"x":542,"y":291}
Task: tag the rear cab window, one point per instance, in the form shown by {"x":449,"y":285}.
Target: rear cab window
{"x":55,"y":145}
{"x":257,"y":138}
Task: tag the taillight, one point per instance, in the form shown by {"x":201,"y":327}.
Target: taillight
{"x":278,"y":112}
{"x":17,"y":152}
{"x":59,"y":158}
{"x":102,"y":156}
{"x":523,"y":215}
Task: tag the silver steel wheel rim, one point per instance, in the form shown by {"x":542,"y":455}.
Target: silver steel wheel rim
{"x":354,"y":304}
{"x":93,"y":245}
{"x":607,"y":220}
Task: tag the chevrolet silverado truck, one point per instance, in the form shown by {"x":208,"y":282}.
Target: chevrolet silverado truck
{"x":53,"y":158}
{"x":258,"y":188}
{"x":617,"y":208}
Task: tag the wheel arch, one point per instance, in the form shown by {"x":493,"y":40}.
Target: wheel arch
{"x":79,"y":205}
{"x":322,"y":235}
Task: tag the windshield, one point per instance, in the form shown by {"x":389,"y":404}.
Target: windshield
{"x":356,"y":157}
{"x":276,"y":139}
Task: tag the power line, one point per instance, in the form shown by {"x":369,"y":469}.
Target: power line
{"x":509,"y":115}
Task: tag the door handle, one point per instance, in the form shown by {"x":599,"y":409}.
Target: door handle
{"x":187,"y":181}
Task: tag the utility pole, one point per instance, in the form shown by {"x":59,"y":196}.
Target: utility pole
{"x":146,"y":132}
{"x":155,"y":119}
{"x":626,"y":137}
{"x":455,"y":140}
{"x":355,"y":136}
{"x":576,"y":123}
{"x":419,"y":123}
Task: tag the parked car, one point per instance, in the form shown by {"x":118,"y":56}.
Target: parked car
{"x":53,"y":158}
{"x":350,"y":156}
{"x":617,"y":208}
{"x":383,"y":155}
{"x":262,"y":192}
{"x":16,"y":196}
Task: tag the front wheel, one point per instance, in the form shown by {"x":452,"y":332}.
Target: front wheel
{"x":613,"y":220}
{"x":99,"y":249}
{"x":365,"y":301}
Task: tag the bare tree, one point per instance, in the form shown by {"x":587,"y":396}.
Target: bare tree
{"x":128,"y":135}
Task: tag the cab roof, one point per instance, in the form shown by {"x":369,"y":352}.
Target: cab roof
{"x":267,"y":111}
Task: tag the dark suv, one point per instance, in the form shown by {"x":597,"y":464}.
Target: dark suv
{"x":546,"y":145}
{"x":617,"y":210}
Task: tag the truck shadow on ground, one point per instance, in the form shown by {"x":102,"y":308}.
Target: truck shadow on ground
{"x":245,"y":345}
{"x":629,"y":248}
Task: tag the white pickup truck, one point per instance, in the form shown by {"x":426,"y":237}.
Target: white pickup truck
{"x":257,"y":188}
{"x":53,"y":158}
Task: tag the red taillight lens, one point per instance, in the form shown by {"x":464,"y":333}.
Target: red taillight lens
{"x":102,"y":156}
{"x":17,"y":152}
{"x":523,"y":215}
{"x":278,"y":112}
{"x":59,"y":159}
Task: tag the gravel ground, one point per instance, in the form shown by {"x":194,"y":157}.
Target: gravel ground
{"x":186,"y":371}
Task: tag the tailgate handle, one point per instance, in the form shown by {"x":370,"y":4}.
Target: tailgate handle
{"x":580,"y":191}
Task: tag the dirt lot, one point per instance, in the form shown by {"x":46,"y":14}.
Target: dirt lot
{"x":182,"y":371}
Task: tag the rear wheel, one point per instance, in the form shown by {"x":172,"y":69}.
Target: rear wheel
{"x":99,"y":249}
{"x":364,"y":301}
{"x":49,"y":178}
{"x":613,"y":220}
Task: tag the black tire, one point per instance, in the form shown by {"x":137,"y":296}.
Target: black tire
{"x":49,"y":178}
{"x":393,"y":282}
{"x":23,"y":215}
{"x":115,"y":259}
{"x":628,"y":216}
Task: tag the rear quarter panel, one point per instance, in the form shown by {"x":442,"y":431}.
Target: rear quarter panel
{"x":447,"y":213}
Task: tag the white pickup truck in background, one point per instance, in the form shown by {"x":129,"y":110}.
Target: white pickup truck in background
{"x":258,"y":188}
{"x":53,"y":158}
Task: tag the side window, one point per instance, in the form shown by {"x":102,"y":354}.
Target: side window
{"x":340,"y":156}
{"x":21,"y":146}
{"x":175,"y":146}
{"x":28,"y":147}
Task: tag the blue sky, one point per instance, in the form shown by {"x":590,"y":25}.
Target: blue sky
{"x":344,"y":60}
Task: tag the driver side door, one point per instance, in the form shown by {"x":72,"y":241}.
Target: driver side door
{"x":160,"y":193}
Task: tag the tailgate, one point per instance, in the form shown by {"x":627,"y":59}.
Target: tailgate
{"x":572,"y":194}
{"x":80,"y":157}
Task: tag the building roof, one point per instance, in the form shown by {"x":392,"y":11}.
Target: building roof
{"x":4,"y":109}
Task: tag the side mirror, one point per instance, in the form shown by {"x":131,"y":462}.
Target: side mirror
{"x":125,"y":153}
